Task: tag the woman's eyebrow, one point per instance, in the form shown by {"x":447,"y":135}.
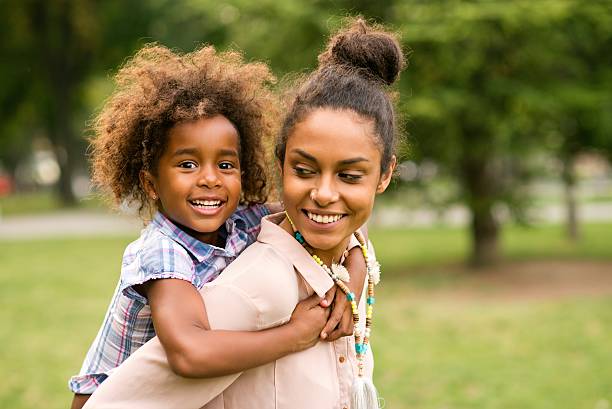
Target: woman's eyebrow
{"x":305,"y":155}
{"x":349,"y":161}
{"x":353,"y":160}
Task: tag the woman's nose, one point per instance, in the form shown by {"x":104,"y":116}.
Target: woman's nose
{"x":325,"y":193}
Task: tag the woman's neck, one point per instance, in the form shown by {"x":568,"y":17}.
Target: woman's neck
{"x":327,"y":256}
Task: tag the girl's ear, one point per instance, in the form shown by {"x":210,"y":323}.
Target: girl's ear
{"x":148,"y":184}
{"x":385,"y":178}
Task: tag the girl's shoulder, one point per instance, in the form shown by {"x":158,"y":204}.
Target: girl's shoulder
{"x":155,"y":255}
{"x":252,"y":213}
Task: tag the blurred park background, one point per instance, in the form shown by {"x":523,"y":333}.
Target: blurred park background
{"x":495,"y":240}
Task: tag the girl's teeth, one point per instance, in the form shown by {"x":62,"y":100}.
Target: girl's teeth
{"x":207,"y":203}
{"x":324,"y":218}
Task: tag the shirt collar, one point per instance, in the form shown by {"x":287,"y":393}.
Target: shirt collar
{"x":235,"y":237}
{"x":271,"y":233}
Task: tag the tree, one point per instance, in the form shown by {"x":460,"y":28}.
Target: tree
{"x":57,"y":47}
{"x":479,"y":80}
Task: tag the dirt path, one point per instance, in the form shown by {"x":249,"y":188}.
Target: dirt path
{"x":528,"y":281}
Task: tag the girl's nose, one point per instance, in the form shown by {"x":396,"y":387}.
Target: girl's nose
{"x":209,"y":178}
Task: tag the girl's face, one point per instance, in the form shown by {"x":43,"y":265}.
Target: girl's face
{"x":331,"y":175}
{"x":198,"y":183}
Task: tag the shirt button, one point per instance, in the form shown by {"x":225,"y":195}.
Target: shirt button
{"x":341,"y":359}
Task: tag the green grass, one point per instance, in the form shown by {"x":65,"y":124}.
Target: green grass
{"x":41,"y":201}
{"x":437,"y":354}
{"x":431,"y":353}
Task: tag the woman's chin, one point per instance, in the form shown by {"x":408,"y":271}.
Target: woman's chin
{"x":326,"y":243}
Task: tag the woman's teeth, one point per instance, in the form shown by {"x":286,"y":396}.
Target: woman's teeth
{"x":324,"y":218}
{"x":206,"y":203}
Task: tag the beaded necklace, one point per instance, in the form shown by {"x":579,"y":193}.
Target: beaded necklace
{"x":373,"y":270}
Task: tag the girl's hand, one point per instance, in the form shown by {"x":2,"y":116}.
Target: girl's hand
{"x":307,"y":320}
{"x":340,"y":323}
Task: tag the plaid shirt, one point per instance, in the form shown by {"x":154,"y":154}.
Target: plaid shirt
{"x":162,"y":251}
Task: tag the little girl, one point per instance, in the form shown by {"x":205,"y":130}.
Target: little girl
{"x":182,"y":138}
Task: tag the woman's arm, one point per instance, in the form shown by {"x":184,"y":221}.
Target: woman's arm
{"x":194,"y":351}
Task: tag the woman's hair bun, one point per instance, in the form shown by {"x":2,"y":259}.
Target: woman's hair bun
{"x":370,"y":50}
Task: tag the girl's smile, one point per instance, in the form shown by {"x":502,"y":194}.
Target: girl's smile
{"x":198,"y":176}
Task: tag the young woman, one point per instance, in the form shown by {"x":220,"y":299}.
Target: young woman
{"x":336,"y":152}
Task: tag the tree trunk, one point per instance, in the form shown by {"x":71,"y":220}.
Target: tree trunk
{"x":569,"y":182}
{"x":479,"y":179}
{"x":484,"y":235}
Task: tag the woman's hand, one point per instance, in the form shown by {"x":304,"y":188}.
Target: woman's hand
{"x":307,"y":320}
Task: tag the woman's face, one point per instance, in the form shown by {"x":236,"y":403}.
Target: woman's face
{"x":331,"y":175}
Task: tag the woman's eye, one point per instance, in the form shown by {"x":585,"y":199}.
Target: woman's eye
{"x":300,"y":171}
{"x":226,"y":165}
{"x":188,"y":165}
{"x":350,"y":177}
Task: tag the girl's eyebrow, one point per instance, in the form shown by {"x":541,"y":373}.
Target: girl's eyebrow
{"x":194,"y":151}
{"x":342,"y":162}
{"x":185,"y":151}
{"x":228,"y":152}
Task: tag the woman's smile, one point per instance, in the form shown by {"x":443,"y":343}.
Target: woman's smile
{"x":331,"y":174}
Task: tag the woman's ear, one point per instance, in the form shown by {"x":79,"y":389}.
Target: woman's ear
{"x":385,"y":178}
{"x":148,"y":184}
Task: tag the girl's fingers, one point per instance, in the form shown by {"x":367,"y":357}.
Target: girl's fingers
{"x":340,"y":305}
{"x":329,"y":297}
{"x":313,"y":301}
{"x":345,"y":327}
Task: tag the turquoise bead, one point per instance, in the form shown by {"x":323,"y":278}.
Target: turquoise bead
{"x":298,"y":236}
{"x":350,"y":296}
{"x":371,"y":300}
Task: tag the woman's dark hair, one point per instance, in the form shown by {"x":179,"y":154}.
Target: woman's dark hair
{"x":157,"y":89}
{"x":354,"y":73}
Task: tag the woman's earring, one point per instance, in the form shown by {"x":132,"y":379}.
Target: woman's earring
{"x":154,"y":196}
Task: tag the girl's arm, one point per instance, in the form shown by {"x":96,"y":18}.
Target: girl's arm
{"x":194,"y":351}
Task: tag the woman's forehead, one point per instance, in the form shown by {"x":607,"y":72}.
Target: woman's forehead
{"x":335,"y":132}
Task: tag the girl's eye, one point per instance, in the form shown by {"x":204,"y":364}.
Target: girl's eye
{"x":300,"y":171}
{"x":226,"y":165}
{"x":350,"y":177}
{"x":188,"y":164}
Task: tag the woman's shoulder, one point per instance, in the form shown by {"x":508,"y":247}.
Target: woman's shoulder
{"x":264,"y":279}
{"x":257,"y":260}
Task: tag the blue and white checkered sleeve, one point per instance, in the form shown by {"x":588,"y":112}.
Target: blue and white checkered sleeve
{"x":252,"y":215}
{"x":159,"y":257}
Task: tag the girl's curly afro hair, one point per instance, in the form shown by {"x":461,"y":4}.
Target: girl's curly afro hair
{"x":158,"y":88}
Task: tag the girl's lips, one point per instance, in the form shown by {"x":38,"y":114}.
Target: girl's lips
{"x":207,"y":210}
